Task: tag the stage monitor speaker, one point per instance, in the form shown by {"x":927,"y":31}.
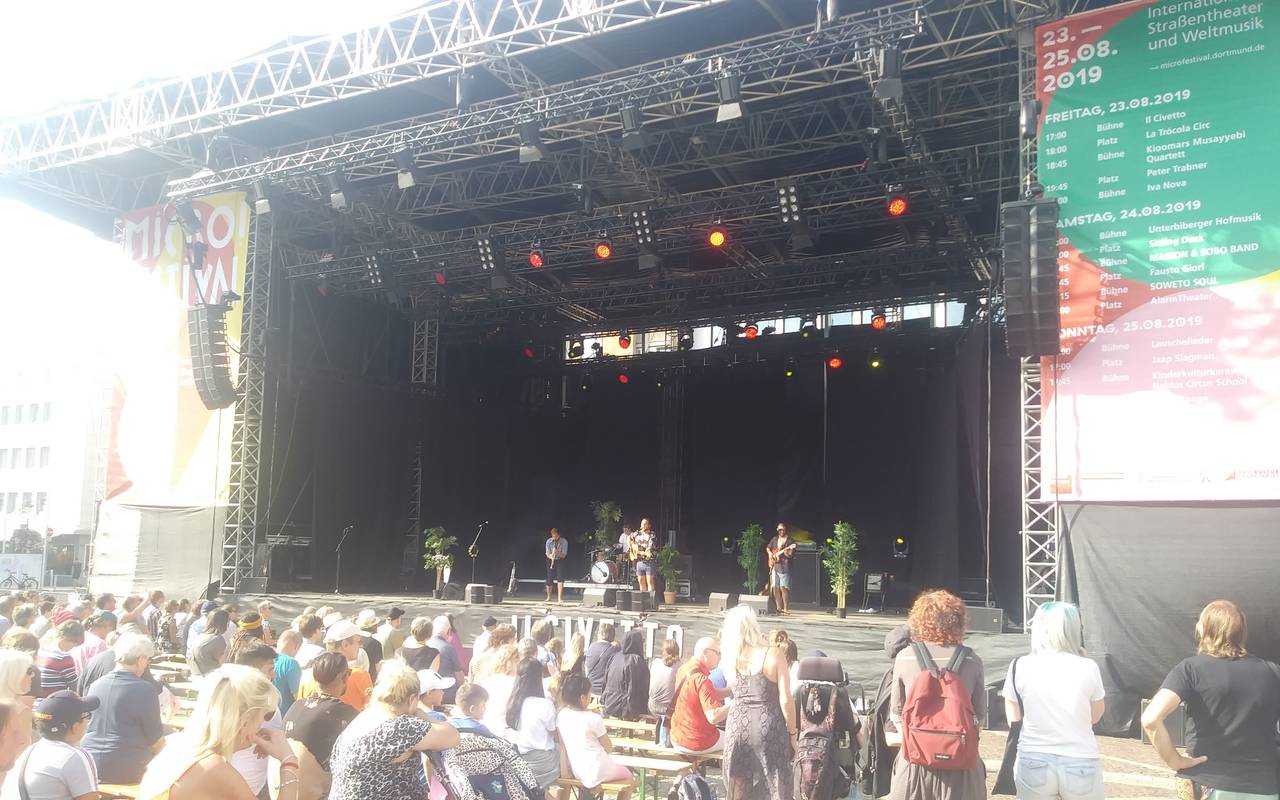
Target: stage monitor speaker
{"x":452,"y":591}
{"x":599,"y":596}
{"x":1175,"y":724}
{"x":1029,"y":249}
{"x":641,"y":601}
{"x":985,"y":620}
{"x":210,"y":367}
{"x":252,"y":586}
{"x":721,"y":601}
{"x":763,"y":604}
{"x":493,"y":595}
{"x":475,"y":592}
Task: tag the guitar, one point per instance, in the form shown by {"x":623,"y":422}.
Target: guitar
{"x":637,"y":553}
{"x":775,"y":555}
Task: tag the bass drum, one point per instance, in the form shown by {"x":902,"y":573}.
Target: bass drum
{"x":604,"y":572}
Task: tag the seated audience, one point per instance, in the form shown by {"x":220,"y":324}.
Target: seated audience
{"x":125,"y":732}
{"x":43,"y":622}
{"x":7,"y":605}
{"x":368,"y":622}
{"x":375,"y":756}
{"x":96,"y":630}
{"x":450,"y":658}
{"x":585,"y":742}
{"x":197,"y":626}
{"x":626,"y":684}
{"x":662,"y":678}
{"x":482,"y":665}
{"x":106,"y":604}
{"x":499,"y":684}
{"x":25,"y":614}
{"x":1233,"y":700}
{"x":57,"y":667}
{"x":575,"y":655}
{"x":15,"y":735}
{"x":314,"y":723}
{"x":391,"y":634}
{"x":311,"y":629}
{"x":209,"y":649}
{"x":166,"y":637}
{"x":344,"y":638}
{"x":470,"y":710}
{"x":454,"y":637}
{"x":599,"y":655}
{"x":699,"y":708}
{"x":415,"y":651}
{"x":531,"y":724}
{"x":288,"y":674}
{"x":482,"y":641}
{"x":265,"y":611}
{"x":431,"y":688}
{"x":229,"y":716}
{"x":1061,"y":700}
{"x":17,"y":673}
{"x":56,"y":767}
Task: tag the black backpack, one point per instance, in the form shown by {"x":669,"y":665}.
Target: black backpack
{"x":817,"y":774}
{"x":876,"y":755}
{"x":691,"y":786}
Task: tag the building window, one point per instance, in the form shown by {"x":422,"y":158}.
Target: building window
{"x":17,"y":415}
{"x":11,"y":504}
{"x":46,"y":412}
{"x":4,"y":415}
{"x":4,"y":459}
{"x":31,"y":458}
{"x":33,"y":412}
{"x":26,"y":502}
{"x":44,"y":457}
{"x":41,"y":497}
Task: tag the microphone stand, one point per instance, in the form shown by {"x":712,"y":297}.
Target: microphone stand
{"x":474,"y":549}
{"x":337,"y":576}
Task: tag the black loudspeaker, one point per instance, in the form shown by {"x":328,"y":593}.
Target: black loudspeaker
{"x":622,"y":600}
{"x":721,"y":601}
{"x":210,"y":367}
{"x":985,"y":620}
{"x":475,"y":592}
{"x":1175,"y":724}
{"x":1032,"y":304}
{"x":763,"y":604}
{"x":493,"y":595}
{"x":595,"y":596}
{"x":252,"y":586}
{"x":806,"y":579}
{"x":452,"y":591}
{"x":641,"y":601}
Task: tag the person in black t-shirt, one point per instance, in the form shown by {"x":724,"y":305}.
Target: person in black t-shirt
{"x":317,"y":720}
{"x":1233,"y":700}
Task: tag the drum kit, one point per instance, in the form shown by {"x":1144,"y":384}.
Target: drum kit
{"x":609,"y":564}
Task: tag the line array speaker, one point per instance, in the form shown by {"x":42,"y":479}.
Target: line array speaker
{"x":1032,"y":303}
{"x":210,"y":368}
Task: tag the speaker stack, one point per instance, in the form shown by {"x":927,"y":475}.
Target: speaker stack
{"x":210,"y":367}
{"x":763,"y":604}
{"x":721,"y":601}
{"x":1029,"y":249}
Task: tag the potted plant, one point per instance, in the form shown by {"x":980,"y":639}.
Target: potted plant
{"x":436,"y":547}
{"x":669,"y":569}
{"x":750,"y":545}
{"x":607,"y":514}
{"x":840,"y":558}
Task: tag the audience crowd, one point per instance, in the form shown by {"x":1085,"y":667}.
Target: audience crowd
{"x":394,"y":708}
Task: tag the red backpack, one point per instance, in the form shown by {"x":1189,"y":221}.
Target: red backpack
{"x":939,"y":730}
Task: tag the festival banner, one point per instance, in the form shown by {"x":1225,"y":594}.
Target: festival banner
{"x":1157,"y":136}
{"x":165,"y":447}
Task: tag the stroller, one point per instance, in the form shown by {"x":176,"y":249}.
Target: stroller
{"x":826,"y":763}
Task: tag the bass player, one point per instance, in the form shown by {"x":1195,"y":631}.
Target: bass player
{"x":781,"y":550}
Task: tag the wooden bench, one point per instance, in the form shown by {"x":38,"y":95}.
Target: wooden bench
{"x":118,"y":790}
{"x":636,"y":726}
{"x":576,"y":787}
{"x":659,"y":767}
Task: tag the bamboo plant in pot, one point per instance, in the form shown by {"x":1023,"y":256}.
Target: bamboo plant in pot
{"x":436,"y":553}
{"x":750,"y":545}
{"x":840,"y":558}
{"x":669,"y":569}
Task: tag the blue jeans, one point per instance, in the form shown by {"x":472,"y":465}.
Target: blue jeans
{"x":1040,"y":776}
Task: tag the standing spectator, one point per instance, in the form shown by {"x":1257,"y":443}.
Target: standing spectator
{"x":288,"y":674}
{"x":55,"y":767}
{"x":1061,"y":700}
{"x":761,"y":722}
{"x":96,"y":631}
{"x":311,"y":629}
{"x":229,"y":716}
{"x":152,"y":612}
{"x":43,"y":622}
{"x":626,"y":685}
{"x":182,"y":618}
{"x":699,"y":709}
{"x":662,"y":678}
{"x":16,"y":676}
{"x":57,"y":667}
{"x":198,"y":625}
{"x":482,"y":641}
{"x":369,"y":757}
{"x":265,"y":610}
{"x":343,"y":637}
{"x":106,"y":604}
{"x":599,"y":654}
{"x":7,"y":606}
{"x":531,"y":724}
{"x":125,"y":732}
{"x":313,"y":724}
{"x":209,"y":649}
{"x":166,"y":637}
{"x":585,"y":741}
{"x":23,"y":617}
{"x":1233,"y":700}
{"x":367,"y":621}
{"x":131,"y":620}
{"x":938,"y":620}
{"x":450,"y":662}
{"x":391,"y":634}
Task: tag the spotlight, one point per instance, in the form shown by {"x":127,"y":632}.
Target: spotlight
{"x":793,"y":216}
{"x":684,"y":340}
{"x":624,"y":340}
{"x":729,"y":92}
{"x":404,"y":169}
{"x":529,"y":351}
{"x":835,"y":361}
{"x":889,"y":67}
{"x":576,"y":348}
{"x":790,"y":370}
{"x":532,"y":148}
{"x":901,"y":547}
{"x":603,"y":248}
{"x":642,"y":228}
{"x":536,"y":258}
{"x":717,"y":236}
{"x":337,"y":190}
{"x":878,"y":320}
{"x":896,"y":203}
{"x":597,"y":350}
{"x":440,"y":277}
{"x":751,"y":331}
{"x":373,"y":271}
{"x":489,"y":255}
{"x":623,"y":378}
{"x":808,"y":327}
{"x":634,"y":138}
{"x":874,"y":359}
{"x":188,"y":219}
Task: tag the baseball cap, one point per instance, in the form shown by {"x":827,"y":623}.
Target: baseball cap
{"x":489,"y":622}
{"x":207,"y":606}
{"x":343,"y":629}
{"x":332,"y":618}
{"x":62,"y":709}
{"x":430,"y":680}
{"x":367,"y":618}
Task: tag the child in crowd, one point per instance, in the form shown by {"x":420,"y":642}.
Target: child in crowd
{"x":472,"y":702}
{"x":586,"y":745}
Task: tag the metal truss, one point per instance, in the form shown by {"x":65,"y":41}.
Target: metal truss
{"x":1040,"y":516}
{"x":437,"y":38}
{"x":240,"y":527}
{"x":671,"y":454}
{"x":426,"y":354}
{"x":413,"y":516}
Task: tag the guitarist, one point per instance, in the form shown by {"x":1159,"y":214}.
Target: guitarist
{"x":782,"y":548}
{"x":640,"y":550}
{"x":556,"y":550}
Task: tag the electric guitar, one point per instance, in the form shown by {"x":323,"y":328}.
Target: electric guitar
{"x":775,"y":555}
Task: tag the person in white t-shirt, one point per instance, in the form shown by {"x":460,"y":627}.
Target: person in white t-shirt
{"x":531,"y":724}
{"x":1058,"y":695}
{"x":585,"y":741}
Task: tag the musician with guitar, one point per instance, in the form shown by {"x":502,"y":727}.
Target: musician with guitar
{"x":782,"y":548}
{"x":640,"y":550}
{"x":556,"y":550}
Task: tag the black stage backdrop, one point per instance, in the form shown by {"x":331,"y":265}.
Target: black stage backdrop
{"x":1142,"y":573}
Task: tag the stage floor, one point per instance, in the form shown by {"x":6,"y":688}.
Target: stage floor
{"x":857,"y":641}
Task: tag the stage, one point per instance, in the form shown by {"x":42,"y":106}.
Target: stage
{"x":857,"y":641}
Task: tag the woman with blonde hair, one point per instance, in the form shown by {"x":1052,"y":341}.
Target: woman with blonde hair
{"x":377,"y":755}
{"x":499,"y":683}
{"x":228,"y":717}
{"x":17,"y":670}
{"x":762,"y":720}
{"x":575,"y":655}
{"x":1058,"y":695}
{"x":1233,"y":700}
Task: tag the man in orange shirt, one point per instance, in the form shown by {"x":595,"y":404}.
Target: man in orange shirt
{"x":698,"y":706}
{"x":344,"y":638}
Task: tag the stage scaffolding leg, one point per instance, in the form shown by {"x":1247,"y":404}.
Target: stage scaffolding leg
{"x":425,"y":372}
{"x":671,"y":455}
{"x":240,"y":529}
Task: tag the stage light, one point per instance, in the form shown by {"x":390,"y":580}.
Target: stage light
{"x":874,"y":359}
{"x":536,"y":259}
{"x":751,"y":331}
{"x":729,"y":93}
{"x":404,"y":169}
{"x":440,"y":277}
{"x":790,"y":370}
{"x":337,"y":190}
{"x":623,"y":378}
{"x":373,"y":271}
{"x":597,"y":350}
{"x":793,"y":216}
{"x":489,"y":254}
{"x":529,"y":351}
{"x":835,"y":362}
{"x":624,"y":340}
{"x":878,"y":320}
{"x":261,"y":196}
{"x":603,"y":249}
{"x":577,"y":348}
{"x":808,"y":327}
{"x":896,"y":203}
{"x":634,"y":138}
{"x":188,"y":219}
{"x":901,"y":547}
{"x":889,"y":66}
{"x":640,"y":225}
{"x":717,"y":236}
{"x":532,"y":148}
{"x":684,"y":340}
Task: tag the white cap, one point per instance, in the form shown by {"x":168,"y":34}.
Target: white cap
{"x":429,"y":680}
{"x":333,"y":617}
{"x":343,"y":629}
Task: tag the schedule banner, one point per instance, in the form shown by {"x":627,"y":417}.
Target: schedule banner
{"x":1158,"y":137}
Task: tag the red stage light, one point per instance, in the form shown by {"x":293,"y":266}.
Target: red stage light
{"x":896,"y":205}
{"x":624,"y":341}
{"x":535,"y":259}
{"x":604,"y":249}
{"x":441,"y":279}
{"x":751,"y":331}
{"x":529,"y":352}
{"x":623,"y":379}
{"x":835,"y":362}
{"x":878,"y":322}
{"x":717,"y":236}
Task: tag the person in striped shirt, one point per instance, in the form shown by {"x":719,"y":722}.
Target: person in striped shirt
{"x":54,"y":660}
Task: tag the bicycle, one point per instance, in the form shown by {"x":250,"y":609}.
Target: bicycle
{"x":19,"y":580}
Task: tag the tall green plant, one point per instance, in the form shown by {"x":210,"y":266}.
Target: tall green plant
{"x":750,"y":545}
{"x":436,"y":551}
{"x":669,"y":566}
{"x":840,"y":558}
{"x":607,"y":514}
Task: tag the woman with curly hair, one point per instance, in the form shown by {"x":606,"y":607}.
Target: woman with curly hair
{"x":938,"y":620}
